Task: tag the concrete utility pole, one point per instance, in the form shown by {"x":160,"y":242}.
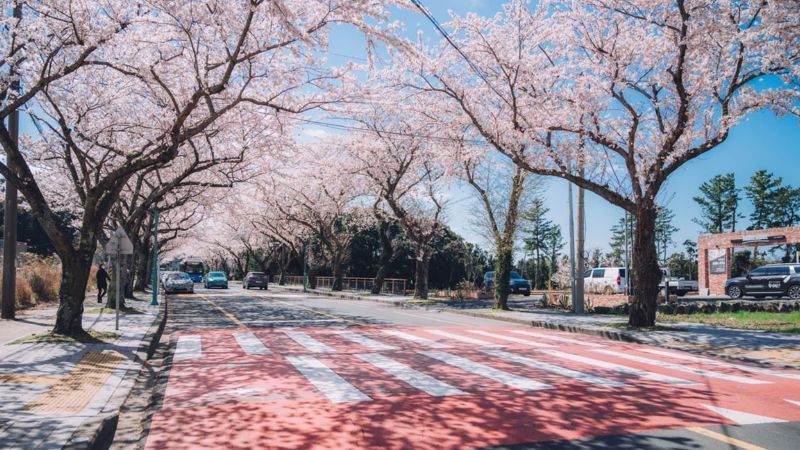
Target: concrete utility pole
{"x":8,"y":308}
{"x":579,"y":300}
{"x":572,"y":248}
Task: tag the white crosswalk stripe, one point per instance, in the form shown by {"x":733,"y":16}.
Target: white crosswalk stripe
{"x":509,"y":379}
{"x":563,"y":371}
{"x":359,"y":338}
{"x":556,"y":338}
{"x":308,"y":342}
{"x":328,"y":382}
{"x":458,"y":337}
{"x":419,"y":340}
{"x":681,"y":368}
{"x":511,"y":339}
{"x":713,"y":362}
{"x":419,"y":380}
{"x":189,"y":347}
{"x":250,"y":344}
{"x":617,"y":367}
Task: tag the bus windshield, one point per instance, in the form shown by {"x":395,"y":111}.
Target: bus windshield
{"x":193,"y":267}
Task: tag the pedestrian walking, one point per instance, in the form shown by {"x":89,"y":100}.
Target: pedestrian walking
{"x":102,"y":282}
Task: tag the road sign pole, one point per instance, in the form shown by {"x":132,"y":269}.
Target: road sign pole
{"x":155,"y":258}
{"x":117,"y":275}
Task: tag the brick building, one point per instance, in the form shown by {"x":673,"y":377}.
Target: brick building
{"x":715,"y":253}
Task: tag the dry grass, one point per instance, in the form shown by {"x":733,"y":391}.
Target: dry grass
{"x":38,"y":281}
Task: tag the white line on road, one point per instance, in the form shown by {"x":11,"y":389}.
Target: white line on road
{"x":251,"y":344}
{"x":744,"y":368}
{"x":681,"y":368}
{"x":556,"y":338}
{"x":563,"y":371}
{"x":618,"y":367}
{"x":427,"y":317}
{"x":419,"y":380}
{"x":511,"y":339}
{"x":189,"y":347}
{"x":328,"y":382}
{"x":466,"y":339}
{"x":360,"y":339}
{"x":509,"y":379}
{"x":419,"y":340}
{"x":308,"y":342}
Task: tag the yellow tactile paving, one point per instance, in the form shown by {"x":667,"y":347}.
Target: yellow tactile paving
{"x":14,"y":378}
{"x":73,"y":392}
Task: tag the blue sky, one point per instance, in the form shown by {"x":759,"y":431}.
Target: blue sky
{"x":763,"y":141}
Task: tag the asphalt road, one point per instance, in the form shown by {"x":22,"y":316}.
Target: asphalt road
{"x":267,"y":369}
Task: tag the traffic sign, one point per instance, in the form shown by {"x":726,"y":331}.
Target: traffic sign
{"x":119,"y":243}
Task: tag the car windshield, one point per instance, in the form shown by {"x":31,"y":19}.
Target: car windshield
{"x":257,"y":274}
{"x":515,"y":276}
{"x":178,"y":277}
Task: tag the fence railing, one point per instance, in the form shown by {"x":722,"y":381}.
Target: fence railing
{"x":390,"y":285}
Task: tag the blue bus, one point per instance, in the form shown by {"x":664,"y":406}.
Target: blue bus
{"x":196,"y":269}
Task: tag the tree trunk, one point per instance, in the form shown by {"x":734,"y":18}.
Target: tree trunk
{"x":646,"y":272}
{"x":130,"y":264}
{"x":502,"y":274}
{"x":421,"y":274}
{"x":312,"y":277}
{"x":386,"y":256}
{"x":72,"y":292}
{"x":142,"y":268}
{"x":336,"y":268}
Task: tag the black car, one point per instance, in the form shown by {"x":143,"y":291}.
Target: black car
{"x":255,"y":279}
{"x":516,"y":283}
{"x":775,"y":280}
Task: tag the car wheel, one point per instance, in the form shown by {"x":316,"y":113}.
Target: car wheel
{"x":527,"y":293}
{"x":608,"y":290}
{"x":794,"y":292}
{"x":680,"y":293}
{"x":735,"y":291}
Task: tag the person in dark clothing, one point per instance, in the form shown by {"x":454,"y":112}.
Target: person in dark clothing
{"x":102,"y":283}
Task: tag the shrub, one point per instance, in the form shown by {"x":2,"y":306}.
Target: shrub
{"x":44,"y":290}
{"x":24,"y":294}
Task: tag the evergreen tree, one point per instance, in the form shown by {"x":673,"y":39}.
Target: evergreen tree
{"x":543,"y":240}
{"x":664,"y":231}
{"x":763,"y":192}
{"x":618,"y":239}
{"x":719,"y":204}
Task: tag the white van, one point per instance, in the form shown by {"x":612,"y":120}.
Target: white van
{"x":605,"y":280}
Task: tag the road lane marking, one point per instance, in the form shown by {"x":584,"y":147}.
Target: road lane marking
{"x":315,"y":311}
{"x":744,"y":368}
{"x":511,"y":339}
{"x":556,"y":338}
{"x":509,"y":379}
{"x":251,"y":344}
{"x":230,"y":316}
{"x":360,"y":339}
{"x":563,"y":371}
{"x":618,"y":367}
{"x":328,"y":382}
{"x":419,"y":340}
{"x":427,"y":317}
{"x":467,"y":339}
{"x":308,"y":342}
{"x":794,"y":402}
{"x":742,"y":418}
{"x":419,"y":380}
{"x":680,"y":368}
{"x":189,"y":347}
{"x":726,"y":439}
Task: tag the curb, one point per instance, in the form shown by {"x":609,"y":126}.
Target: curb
{"x":623,"y":336}
{"x":98,"y":432}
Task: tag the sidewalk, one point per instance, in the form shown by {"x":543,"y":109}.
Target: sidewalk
{"x":57,"y":394}
{"x":782,"y":349}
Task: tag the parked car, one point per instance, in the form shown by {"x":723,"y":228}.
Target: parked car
{"x":516,"y":283}
{"x":255,"y":279}
{"x":776,"y":280}
{"x":677,"y":286}
{"x":162,"y":276}
{"x":178,"y":282}
{"x":215,"y":279}
{"x":605,"y":280}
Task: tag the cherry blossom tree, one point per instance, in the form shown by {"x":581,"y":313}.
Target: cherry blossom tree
{"x":614,"y":97}
{"x":126,"y":85}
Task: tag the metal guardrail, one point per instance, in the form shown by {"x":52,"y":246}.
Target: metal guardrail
{"x":390,"y":285}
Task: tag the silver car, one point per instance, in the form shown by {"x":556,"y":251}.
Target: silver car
{"x":178,"y":282}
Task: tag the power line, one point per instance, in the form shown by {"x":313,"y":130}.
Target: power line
{"x":444,"y":34}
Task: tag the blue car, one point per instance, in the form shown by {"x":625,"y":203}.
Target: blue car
{"x":215,"y":279}
{"x":516,"y":283}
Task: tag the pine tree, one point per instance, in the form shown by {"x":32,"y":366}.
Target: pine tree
{"x":719,"y":204}
{"x":763,"y":192}
{"x":543,"y":240}
{"x":664,"y":231}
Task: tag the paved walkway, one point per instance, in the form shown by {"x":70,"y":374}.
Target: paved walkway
{"x":49,"y":390}
{"x":781,"y":349}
